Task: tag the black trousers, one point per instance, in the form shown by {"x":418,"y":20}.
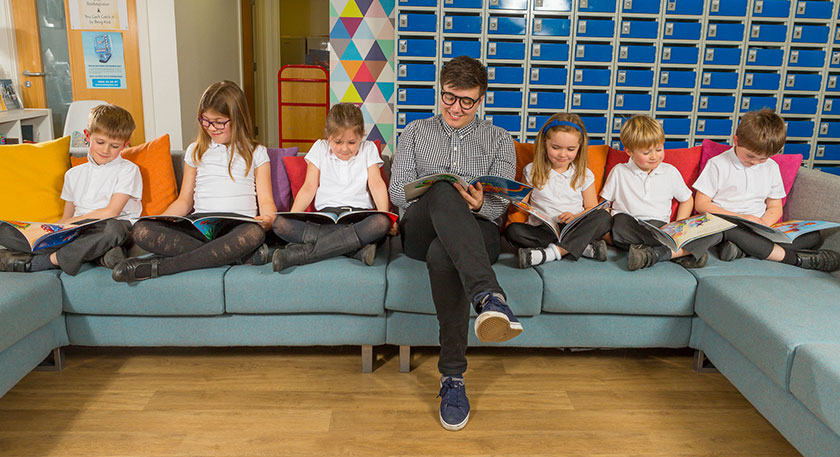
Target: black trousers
{"x":626,"y":231}
{"x":458,"y":249}
{"x":759,"y":247}
{"x":591,"y":228}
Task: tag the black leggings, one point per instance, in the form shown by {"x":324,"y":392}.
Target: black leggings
{"x":627,"y":231}
{"x":370,"y":229}
{"x":757,"y":246}
{"x":591,"y":228}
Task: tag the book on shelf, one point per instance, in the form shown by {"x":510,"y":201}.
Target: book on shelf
{"x":781,"y":232}
{"x":208,"y":224}
{"x":25,"y":236}
{"x":8,"y":96}
{"x":326,"y":217}
{"x":506,"y":188}
{"x":559,"y":232}
{"x":677,"y":234}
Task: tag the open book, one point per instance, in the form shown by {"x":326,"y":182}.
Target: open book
{"x":326,"y":217}
{"x":552,"y":222}
{"x":781,"y":232}
{"x":678,"y":233}
{"x":22,"y":236}
{"x":506,"y":188}
{"x":208,"y":224}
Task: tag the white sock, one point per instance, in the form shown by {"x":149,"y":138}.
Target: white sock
{"x":588,"y":252}
{"x":540,"y":256}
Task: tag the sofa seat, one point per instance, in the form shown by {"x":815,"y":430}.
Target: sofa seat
{"x":815,"y":381}
{"x":337,"y":285}
{"x":766,"y":319}
{"x":28,"y":301}
{"x":752,"y":267}
{"x":592,"y":287}
{"x":190,"y":293}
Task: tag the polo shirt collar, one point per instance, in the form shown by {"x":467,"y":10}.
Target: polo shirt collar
{"x":463,"y":131}
{"x":638,"y":171}
{"x":566,"y":174}
{"x":112,"y":163}
{"x":733,"y":159}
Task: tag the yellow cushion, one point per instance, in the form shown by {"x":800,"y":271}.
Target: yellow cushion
{"x":31,"y":177}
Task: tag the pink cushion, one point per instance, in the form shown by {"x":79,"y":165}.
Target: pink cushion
{"x":296,"y":170}
{"x":279,"y":178}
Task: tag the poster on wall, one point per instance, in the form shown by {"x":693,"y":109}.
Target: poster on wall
{"x":98,"y":14}
{"x":104,"y":60}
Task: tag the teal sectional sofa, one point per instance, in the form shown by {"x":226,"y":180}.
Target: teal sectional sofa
{"x":771,"y":329}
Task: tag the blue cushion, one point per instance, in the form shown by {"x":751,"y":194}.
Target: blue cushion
{"x":752,"y":267}
{"x":28,"y":301}
{"x":337,"y":285}
{"x":189,"y":293}
{"x":409,"y":289}
{"x":766,"y":318}
{"x":815,"y":381}
{"x":589,"y":286}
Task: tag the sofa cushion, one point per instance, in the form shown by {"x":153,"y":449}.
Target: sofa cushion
{"x":766,"y":318}
{"x":409,"y":289}
{"x":279,"y":178}
{"x":815,"y":381}
{"x":337,"y":285}
{"x":751,"y":266}
{"x":190,"y":293}
{"x":28,"y":301}
{"x":296,"y":169}
{"x":589,"y":286}
{"x":39,"y":169}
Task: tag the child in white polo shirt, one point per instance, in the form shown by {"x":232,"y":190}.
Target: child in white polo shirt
{"x":742,"y":182}
{"x":643,"y":188}
{"x":342,"y":173}
{"x":107,"y":186}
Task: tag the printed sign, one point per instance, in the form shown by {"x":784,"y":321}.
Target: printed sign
{"x":104,"y":60}
{"x":98,"y":14}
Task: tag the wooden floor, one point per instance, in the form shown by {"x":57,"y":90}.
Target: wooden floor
{"x":315,"y":402}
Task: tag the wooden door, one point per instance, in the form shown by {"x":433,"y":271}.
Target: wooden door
{"x":27,"y":36}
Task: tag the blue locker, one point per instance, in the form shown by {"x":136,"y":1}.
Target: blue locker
{"x":552,"y":5}
{"x":814,"y":9}
{"x":831,"y":84}
{"x":416,"y":96}
{"x":503,"y":99}
{"x":798,"y":148}
{"x":508,"y":4}
{"x":549,"y":26}
{"x":596,"y":141}
{"x":632,"y":102}
{"x":676,"y":126}
{"x":837,"y":35}
{"x":509,"y":122}
{"x":406,"y":117}
{"x":416,"y":47}
{"x":810,"y":34}
{"x":832,"y":170}
{"x":806,"y":58}
{"x":762,"y":81}
{"x":675,"y":144}
{"x":800,"y":129}
{"x":593,"y":53}
{"x":506,"y":25}
{"x":831,"y":106}
{"x":719,"y":80}
{"x":535,"y":123}
{"x":590,"y":100}
{"x":768,"y":32}
{"x":729,"y":8}
{"x":829,"y":151}
{"x":641,"y":6}
{"x":677,"y":78}
{"x":546,"y":99}
{"x":711,"y":126}
{"x":506,"y":50}
{"x":417,"y":22}
{"x":463,"y":3}
{"x":686,"y":7}
{"x":416,"y":72}
{"x":594,"y":124}
{"x":455,"y":48}
{"x":722,"y":56}
{"x":725,"y":31}
{"x":835,"y":59}
{"x":597,"y":6}
{"x":752,"y":103}
{"x":765,"y":57}
{"x":549,"y":75}
{"x":829,"y":129}
{"x":639,"y":29}
{"x":461,"y":24}
{"x":674,"y":102}
{"x":771,"y":8}
{"x":550,"y":51}
{"x":680,"y":54}
{"x":634,"y":78}
{"x":505,"y":75}
{"x":803,"y":81}
{"x":618,"y":122}
{"x":716,"y":104}
{"x":682,"y":30}
{"x":638,"y":53}
{"x":418,"y":2}
{"x":591,"y":77}
{"x":595,"y":28}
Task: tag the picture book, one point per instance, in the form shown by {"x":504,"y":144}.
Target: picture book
{"x":326,"y":217}
{"x":552,"y":223}
{"x":208,"y":224}
{"x":23,"y":236}
{"x":506,"y":188}
{"x":782,"y":232}
{"x":678,"y":233}
{"x":9,"y":95}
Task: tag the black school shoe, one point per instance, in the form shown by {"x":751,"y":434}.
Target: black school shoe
{"x":822,"y":260}
{"x":688,"y":261}
{"x":15,"y":261}
{"x":641,"y":256}
{"x":111,"y":258}
{"x":729,"y":251}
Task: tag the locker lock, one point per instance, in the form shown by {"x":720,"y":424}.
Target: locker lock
{"x":820,"y":150}
{"x":580,"y":50}
{"x":745,"y":103}
{"x":619,"y":100}
{"x":491,"y":73}
{"x":578,"y":76}
{"x":759,"y":7}
{"x":536,"y":50}
{"x":617,"y":124}
{"x":672,"y":5}
{"x":755,"y":31}
{"x":710,"y":54}
{"x":576,"y":100}
{"x":704,"y":102}
{"x":402,"y":71}
{"x":537,"y":24}
{"x":827,"y":105}
{"x":494,"y":23}
{"x":401,"y":95}
{"x":832,"y":82}
{"x":535,"y":74}
{"x":835,"y":58}
{"x":489,"y":117}
{"x":449,"y":2}
{"x":663,"y":77}
{"x":401,"y":118}
{"x":824,"y":128}
{"x":494,"y":2}
{"x":666,"y":53}
{"x":662,"y":101}
{"x":532,"y":98}
{"x":491,"y":49}
{"x":800,"y":7}
{"x":786,"y":104}
{"x":797,"y":32}
{"x":628,"y":4}
{"x":701,"y":125}
{"x":532,"y":122}
{"x":581,"y":26}
{"x":837,"y":34}
{"x":447,"y":23}
{"x":539,"y":3}
{"x":715,"y":7}
{"x":748,"y":79}
{"x":669,"y":28}
{"x":752,"y":55}
{"x":623,"y":52}
{"x":403,"y":20}
{"x":616,"y":145}
{"x":625,"y":28}
{"x":790,"y":81}
{"x":490,"y":97}
{"x":707,"y":79}
{"x":712,"y":30}
{"x":622,"y":76}
{"x":447,"y":47}
{"x":403,"y":44}
{"x":584,"y":3}
{"x":794,"y":56}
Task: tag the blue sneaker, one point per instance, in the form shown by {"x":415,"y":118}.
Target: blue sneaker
{"x":495,"y":322}
{"x":454,"y":406}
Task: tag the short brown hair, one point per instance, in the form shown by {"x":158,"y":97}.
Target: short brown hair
{"x":762,"y":132}
{"x":464,"y":72}
{"x":344,"y":116}
{"x":640,"y":132}
{"x":112,"y":121}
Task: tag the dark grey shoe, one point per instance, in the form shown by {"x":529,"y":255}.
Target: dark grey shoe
{"x":729,"y":251}
{"x":822,"y":260}
{"x":290,"y":255}
{"x":366,"y":254}
{"x":641,"y":256}
{"x":111,"y":258}
{"x":15,"y":261}
{"x":526,"y":257}
{"x":599,"y":250}
{"x":688,"y":261}
{"x":259,"y":257}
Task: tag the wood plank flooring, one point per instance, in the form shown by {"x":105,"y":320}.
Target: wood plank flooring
{"x":228,"y":402}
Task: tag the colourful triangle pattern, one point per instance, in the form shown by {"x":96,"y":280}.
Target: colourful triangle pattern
{"x":333,"y":12}
{"x":363,"y":75}
{"x":375,"y":96}
{"x":351,"y":23}
{"x":363,"y":45}
{"x":363,"y":88}
{"x":375,"y":68}
{"x":375,"y":11}
{"x":376,"y":53}
{"x":386,"y":129}
{"x":351,"y":96}
{"x":387,"y":6}
{"x":374,"y":134}
{"x":363,"y":31}
{"x":339,"y":31}
{"x":352,"y":53}
{"x":339,"y":5}
{"x":376,"y":25}
{"x":339,"y":45}
{"x":351,"y":10}
{"x":352,"y":67}
{"x":387,"y":48}
{"x":364,"y":5}
{"x":387,"y":90}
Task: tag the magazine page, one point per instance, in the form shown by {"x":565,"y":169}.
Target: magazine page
{"x":793,"y":229}
{"x":770,"y":233}
{"x":506,"y":188}
{"x":552,"y":224}
{"x":24,"y":236}
{"x":418,"y":187}
{"x":686,"y":230}
{"x":600,"y":206}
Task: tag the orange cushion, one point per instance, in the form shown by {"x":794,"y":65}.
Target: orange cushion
{"x":155,"y":162}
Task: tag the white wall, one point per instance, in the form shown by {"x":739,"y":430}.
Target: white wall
{"x":8,"y":58}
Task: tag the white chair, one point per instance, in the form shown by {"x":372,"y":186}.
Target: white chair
{"x":76,"y":122}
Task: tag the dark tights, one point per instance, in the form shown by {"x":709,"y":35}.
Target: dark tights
{"x":369,"y":229}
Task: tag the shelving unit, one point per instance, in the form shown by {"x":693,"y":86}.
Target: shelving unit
{"x":695,"y":65}
{"x":40,"y":120}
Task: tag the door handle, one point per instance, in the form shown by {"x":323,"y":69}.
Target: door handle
{"x":33,"y":73}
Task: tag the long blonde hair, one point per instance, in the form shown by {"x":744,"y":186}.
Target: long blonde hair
{"x":227,"y":99}
{"x":542,"y":166}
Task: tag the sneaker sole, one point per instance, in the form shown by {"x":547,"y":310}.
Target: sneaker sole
{"x":454,"y":427}
{"x":495,"y":327}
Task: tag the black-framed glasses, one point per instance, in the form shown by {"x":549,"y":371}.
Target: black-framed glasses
{"x":449,"y":99}
{"x":218,"y":125}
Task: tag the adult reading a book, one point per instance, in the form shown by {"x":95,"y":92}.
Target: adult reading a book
{"x":453,"y":229}
{"x":106,"y":187}
{"x":743,"y":182}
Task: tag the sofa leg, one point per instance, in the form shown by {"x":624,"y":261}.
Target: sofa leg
{"x":367,"y":358}
{"x":53,"y":362}
{"x":405,"y":359}
{"x":702,"y":364}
